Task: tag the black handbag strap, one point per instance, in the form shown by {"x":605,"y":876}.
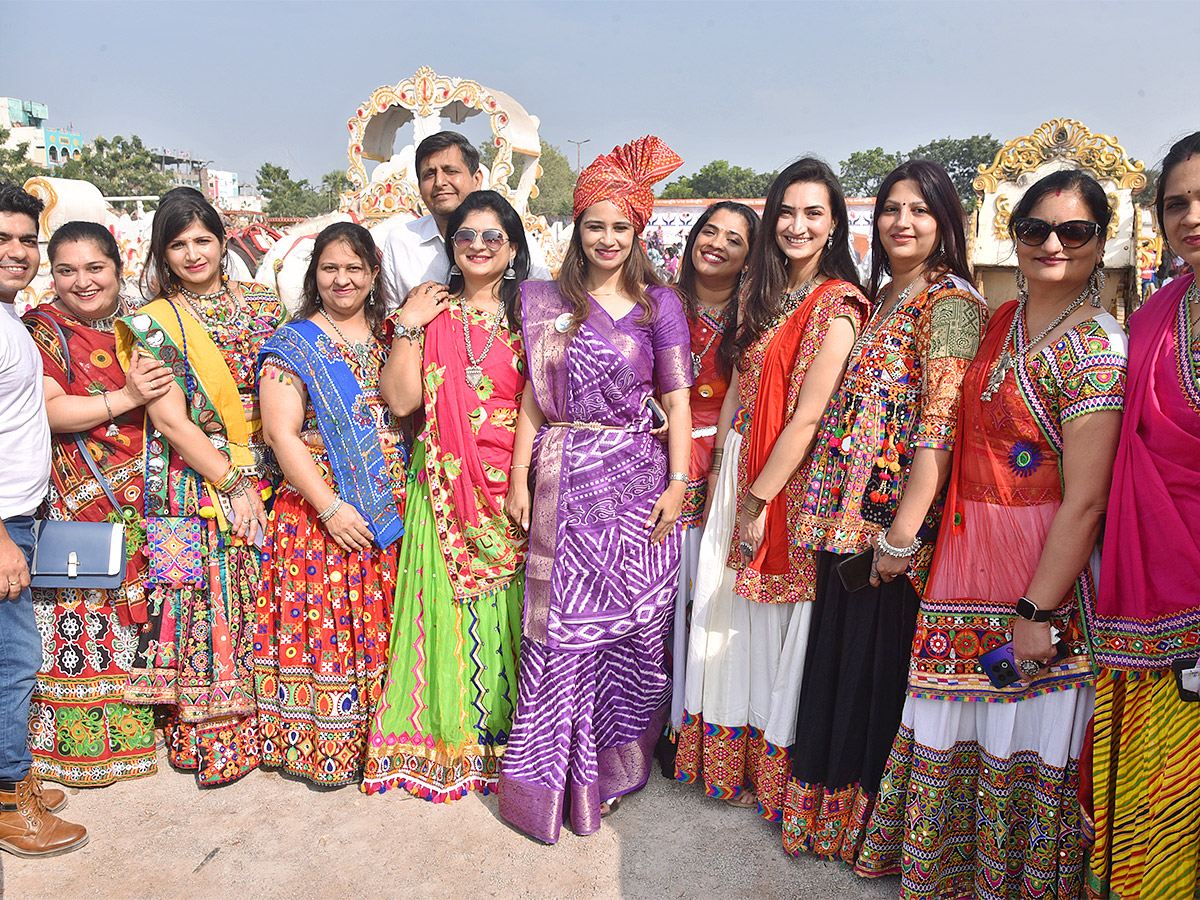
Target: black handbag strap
{"x":83,"y":450}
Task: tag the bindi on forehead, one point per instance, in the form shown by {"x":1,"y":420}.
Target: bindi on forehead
{"x":1058,"y":192}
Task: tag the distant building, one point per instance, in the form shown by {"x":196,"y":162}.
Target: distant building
{"x":183,"y":169}
{"x":26,"y":122}
{"x":222,"y":185}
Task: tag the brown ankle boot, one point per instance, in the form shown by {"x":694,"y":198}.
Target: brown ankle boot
{"x":28,"y":829}
{"x":52,"y":798}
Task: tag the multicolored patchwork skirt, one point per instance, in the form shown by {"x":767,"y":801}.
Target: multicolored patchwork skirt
{"x":980,"y":800}
{"x":320,"y":646}
{"x":81,"y":731}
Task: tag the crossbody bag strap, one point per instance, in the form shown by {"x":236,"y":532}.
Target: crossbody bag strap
{"x":83,"y":450}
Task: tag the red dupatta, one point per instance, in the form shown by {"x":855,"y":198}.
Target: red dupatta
{"x":1148,"y":609}
{"x":468,"y":437}
{"x":778,"y":391}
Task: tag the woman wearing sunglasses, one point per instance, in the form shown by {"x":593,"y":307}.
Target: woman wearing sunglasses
{"x":448,"y":697}
{"x":1146,"y":795}
{"x":329,"y":569}
{"x":979,"y":794}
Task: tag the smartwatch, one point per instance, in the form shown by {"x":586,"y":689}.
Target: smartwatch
{"x":1027,"y":609}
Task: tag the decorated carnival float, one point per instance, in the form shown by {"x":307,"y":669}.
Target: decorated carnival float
{"x":384,"y":193}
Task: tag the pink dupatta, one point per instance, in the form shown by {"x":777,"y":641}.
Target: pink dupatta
{"x":1148,"y":609}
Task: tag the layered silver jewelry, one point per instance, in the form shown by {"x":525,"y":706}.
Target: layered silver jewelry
{"x":360,"y":350}
{"x":887,"y":549}
{"x":723,"y":322}
{"x":475,"y":366}
{"x":1009,"y":359}
{"x":877,"y":320}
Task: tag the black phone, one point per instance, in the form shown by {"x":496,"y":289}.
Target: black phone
{"x":855,"y":571}
{"x":1000,"y":665}
{"x":1185,"y":683}
{"x":658,"y":418}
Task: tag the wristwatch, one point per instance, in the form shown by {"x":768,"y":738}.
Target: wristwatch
{"x":1027,"y":609}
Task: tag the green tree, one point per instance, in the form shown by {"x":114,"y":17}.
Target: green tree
{"x":287,"y":197}
{"x":15,"y":167}
{"x":119,"y":167}
{"x":556,"y":186}
{"x":864,"y":171}
{"x":719,"y":179}
{"x":332,"y":185}
{"x":961,"y":158}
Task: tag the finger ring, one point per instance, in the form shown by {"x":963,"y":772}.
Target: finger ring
{"x":1029,"y":667}
{"x":10,"y":581}
{"x":746,"y":549}
{"x":428,"y":288}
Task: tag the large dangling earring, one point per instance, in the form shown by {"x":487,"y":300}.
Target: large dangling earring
{"x":1022,"y":287}
{"x":371,"y":297}
{"x":1096,"y":285}
{"x":455,"y":270}
{"x":510,"y":273}
{"x":941,"y":250}
{"x":829,"y":241}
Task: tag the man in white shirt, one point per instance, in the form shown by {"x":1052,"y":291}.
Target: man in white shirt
{"x":28,"y":826}
{"x":414,"y":254}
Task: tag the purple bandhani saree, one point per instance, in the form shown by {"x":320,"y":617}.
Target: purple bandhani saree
{"x":594,"y":689}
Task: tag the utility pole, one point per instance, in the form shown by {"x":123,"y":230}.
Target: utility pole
{"x":578,"y":146}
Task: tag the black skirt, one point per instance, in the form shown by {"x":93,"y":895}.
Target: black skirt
{"x":855,"y":674}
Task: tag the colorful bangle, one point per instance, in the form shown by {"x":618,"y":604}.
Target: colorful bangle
{"x":752,"y":505}
{"x":226,"y":482}
{"x":331,"y":510}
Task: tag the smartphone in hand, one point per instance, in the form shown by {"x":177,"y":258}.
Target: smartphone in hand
{"x":658,"y":418}
{"x":1000,"y":665}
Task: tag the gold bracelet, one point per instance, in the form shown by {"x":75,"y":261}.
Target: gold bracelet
{"x":752,"y":505}
{"x":715,"y":465}
{"x":520,"y":466}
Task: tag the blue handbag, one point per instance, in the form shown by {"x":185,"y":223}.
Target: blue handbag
{"x":78,"y":554}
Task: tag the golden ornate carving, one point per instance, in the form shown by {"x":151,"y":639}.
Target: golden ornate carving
{"x":1062,"y":139}
{"x":1002,"y":217}
{"x":44,"y":191}
{"x":1114,"y":203}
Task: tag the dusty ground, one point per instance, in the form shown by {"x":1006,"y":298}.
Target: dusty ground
{"x":270,"y":837}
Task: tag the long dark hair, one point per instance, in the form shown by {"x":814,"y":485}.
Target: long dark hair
{"x":686,"y":285}
{"x":359,"y":240}
{"x":637,"y":276}
{"x":177,"y":210}
{"x":935,"y":186}
{"x":510,"y":221}
{"x":1179,"y":152}
{"x":768,"y":276}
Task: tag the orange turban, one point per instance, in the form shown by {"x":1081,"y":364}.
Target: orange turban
{"x":625,"y":177}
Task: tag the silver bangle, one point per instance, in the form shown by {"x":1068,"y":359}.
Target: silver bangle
{"x":678,"y":476}
{"x":887,"y":549}
{"x":410,"y":334}
{"x":331,"y":510}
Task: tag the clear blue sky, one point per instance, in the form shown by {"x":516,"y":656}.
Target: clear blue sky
{"x":757,"y":83}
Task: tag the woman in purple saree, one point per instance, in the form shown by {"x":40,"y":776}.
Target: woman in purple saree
{"x":594,"y":689}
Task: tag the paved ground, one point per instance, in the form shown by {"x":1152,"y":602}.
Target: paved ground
{"x":270,"y":837}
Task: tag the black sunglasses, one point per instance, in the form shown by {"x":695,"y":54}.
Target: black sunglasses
{"x":493,"y":238}
{"x":1072,"y":235}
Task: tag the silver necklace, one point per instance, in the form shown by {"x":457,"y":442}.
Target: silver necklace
{"x":475,"y":367}
{"x":877,"y":320}
{"x":360,"y":350}
{"x":722,"y":321}
{"x":203,"y":298}
{"x":1018,"y":354}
